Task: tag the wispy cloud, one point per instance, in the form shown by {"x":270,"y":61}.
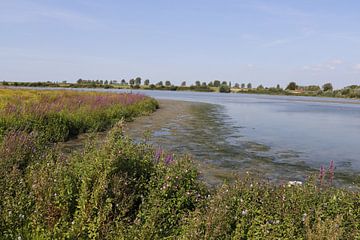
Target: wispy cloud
{"x":21,"y":12}
{"x":357,"y":67}
{"x":326,"y":66}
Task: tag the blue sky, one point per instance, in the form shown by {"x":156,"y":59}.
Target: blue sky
{"x":265,"y":42}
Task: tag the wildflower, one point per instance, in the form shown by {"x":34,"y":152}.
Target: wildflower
{"x":304,"y":217}
{"x":244,"y":212}
{"x":158,"y":154}
{"x":169,"y":158}
{"x":294,"y":183}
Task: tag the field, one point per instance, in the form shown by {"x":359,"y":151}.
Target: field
{"x":131,"y":190}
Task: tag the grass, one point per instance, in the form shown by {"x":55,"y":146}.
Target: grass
{"x":129,"y":190}
{"x":60,"y":115}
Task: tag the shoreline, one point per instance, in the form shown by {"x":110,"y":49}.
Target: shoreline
{"x":319,"y":98}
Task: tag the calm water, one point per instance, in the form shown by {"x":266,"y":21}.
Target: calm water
{"x":279,"y":137}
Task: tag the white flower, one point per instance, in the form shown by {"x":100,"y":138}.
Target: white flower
{"x":304,"y":217}
{"x":244,"y":212}
{"x":294,"y":183}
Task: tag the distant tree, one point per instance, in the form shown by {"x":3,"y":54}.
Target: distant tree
{"x":230,"y":84}
{"x":160,"y":83}
{"x":224,"y":83}
{"x":203,"y":84}
{"x":167,"y":83}
{"x":210,"y":84}
{"x":64,"y":82}
{"x":291,"y":86}
{"x":313,"y":88}
{"x":131,"y":81}
{"x":237,"y":85}
{"x":216,"y":83}
{"x":138,"y":81}
{"x":197,"y":83}
{"x":243,"y":85}
{"x":249,"y":86}
{"x":147,"y":82}
{"x":101,"y":81}
{"x":106,"y":82}
{"x":278,"y":86}
{"x":327,"y":87}
{"x":123,"y":82}
{"x":224,"y":88}
{"x":79,"y":81}
{"x":260,"y":87}
{"x":183,"y":84}
{"x":111,"y":82}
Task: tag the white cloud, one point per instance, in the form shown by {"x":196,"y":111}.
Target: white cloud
{"x":357,"y":67}
{"x":328,"y":65}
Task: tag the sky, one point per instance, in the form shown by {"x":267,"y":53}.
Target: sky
{"x":264,"y":42}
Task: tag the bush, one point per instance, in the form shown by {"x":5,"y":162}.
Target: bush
{"x":224,"y":88}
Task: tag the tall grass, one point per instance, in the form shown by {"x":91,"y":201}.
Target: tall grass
{"x":59,"y":115}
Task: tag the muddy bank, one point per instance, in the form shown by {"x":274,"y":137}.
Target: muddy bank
{"x":168,"y":128}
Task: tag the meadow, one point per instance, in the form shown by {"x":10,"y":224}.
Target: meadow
{"x":60,"y":115}
{"x":124,"y":189}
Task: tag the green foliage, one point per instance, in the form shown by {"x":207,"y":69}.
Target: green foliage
{"x":224,"y":88}
{"x":58,"y":116}
{"x":291,"y":86}
{"x":327,"y":87}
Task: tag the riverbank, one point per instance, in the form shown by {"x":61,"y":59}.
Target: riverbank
{"x":350,"y":92}
{"x":113,"y":187}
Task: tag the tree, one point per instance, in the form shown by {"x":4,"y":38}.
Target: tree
{"x":147,"y":82}
{"x":249,"y":86}
{"x":327,"y":87}
{"x":197,"y":83}
{"x":260,"y":87}
{"x":278,"y":86}
{"x":204,"y":84}
{"x":237,"y":85}
{"x":243,"y":85}
{"x":138,"y":81}
{"x":216,"y":83}
{"x":160,"y":83}
{"x":79,"y":81}
{"x":167,"y":83}
{"x":123,"y":82}
{"x":224,"y":88}
{"x":183,"y":84}
{"x":313,"y":88}
{"x":292,"y":86}
{"x":210,"y":84}
{"x":132,"y":82}
{"x":224,"y":83}
{"x":111,"y":82}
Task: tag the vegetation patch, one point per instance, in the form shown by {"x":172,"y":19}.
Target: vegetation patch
{"x":60,"y":115}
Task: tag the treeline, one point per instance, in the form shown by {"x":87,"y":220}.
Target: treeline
{"x":326,"y":90}
{"x":292,"y":88}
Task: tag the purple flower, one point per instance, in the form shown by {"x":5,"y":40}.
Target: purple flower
{"x":158,"y":154}
{"x":169,"y":158}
